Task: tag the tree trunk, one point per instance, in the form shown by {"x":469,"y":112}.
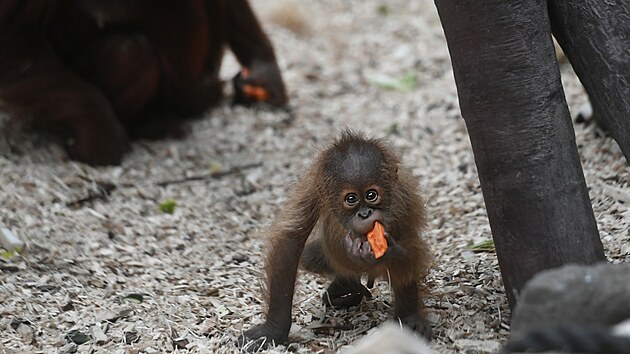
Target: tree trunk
{"x":595,"y":36}
{"x":512,"y":100}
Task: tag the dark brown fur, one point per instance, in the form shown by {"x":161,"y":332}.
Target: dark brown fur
{"x":316,"y":207}
{"x":105,"y":71}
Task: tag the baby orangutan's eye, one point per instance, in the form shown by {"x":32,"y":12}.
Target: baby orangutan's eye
{"x":351,"y":199}
{"x":371,"y":195}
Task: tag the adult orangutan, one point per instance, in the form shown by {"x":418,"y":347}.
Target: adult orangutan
{"x":104,"y":71}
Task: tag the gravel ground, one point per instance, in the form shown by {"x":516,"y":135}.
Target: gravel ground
{"x":136,"y":279}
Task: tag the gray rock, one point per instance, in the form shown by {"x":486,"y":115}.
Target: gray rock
{"x":476,"y":346}
{"x":390,"y":338}
{"x":573,"y":294}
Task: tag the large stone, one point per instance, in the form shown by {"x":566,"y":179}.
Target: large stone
{"x":575,"y":295}
{"x":390,"y":338}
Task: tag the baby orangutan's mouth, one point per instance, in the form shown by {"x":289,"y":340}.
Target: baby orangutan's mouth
{"x":355,"y":243}
{"x":359,"y":244}
{"x":372,"y":245}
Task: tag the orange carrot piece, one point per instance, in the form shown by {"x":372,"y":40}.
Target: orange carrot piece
{"x":256,"y":92}
{"x":377,"y":240}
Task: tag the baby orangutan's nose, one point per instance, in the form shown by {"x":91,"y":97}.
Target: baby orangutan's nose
{"x":365,"y":213}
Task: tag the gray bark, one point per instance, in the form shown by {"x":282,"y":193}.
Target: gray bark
{"x":595,"y":36}
{"x":512,"y":100}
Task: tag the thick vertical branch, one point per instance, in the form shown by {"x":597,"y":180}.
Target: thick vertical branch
{"x":520,"y":129}
{"x":595,"y":36}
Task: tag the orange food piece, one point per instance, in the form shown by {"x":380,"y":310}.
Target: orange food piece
{"x":377,"y":240}
{"x":256,"y":92}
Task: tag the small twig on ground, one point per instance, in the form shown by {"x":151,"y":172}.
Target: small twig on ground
{"x":104,"y":188}
{"x":102,"y":191}
{"x":212,"y":175}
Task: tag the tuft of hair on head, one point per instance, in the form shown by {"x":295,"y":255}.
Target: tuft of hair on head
{"x":350,"y":138}
{"x":353,"y":157}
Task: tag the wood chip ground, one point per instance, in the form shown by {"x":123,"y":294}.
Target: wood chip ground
{"x":103,"y":261}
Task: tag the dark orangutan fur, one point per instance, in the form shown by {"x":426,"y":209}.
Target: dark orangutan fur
{"x":104,"y":71}
{"x":319,"y":208}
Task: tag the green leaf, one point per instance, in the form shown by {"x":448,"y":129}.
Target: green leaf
{"x":393,"y":129}
{"x":383,"y":10}
{"x":77,"y":337}
{"x":6,"y":254}
{"x":168,"y":206}
{"x":384,"y":82}
{"x":407,"y":82}
{"x":484,"y":246}
{"x":215,"y":167}
{"x":134,"y":297}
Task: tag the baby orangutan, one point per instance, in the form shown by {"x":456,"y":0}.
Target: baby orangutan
{"x":354,"y":188}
